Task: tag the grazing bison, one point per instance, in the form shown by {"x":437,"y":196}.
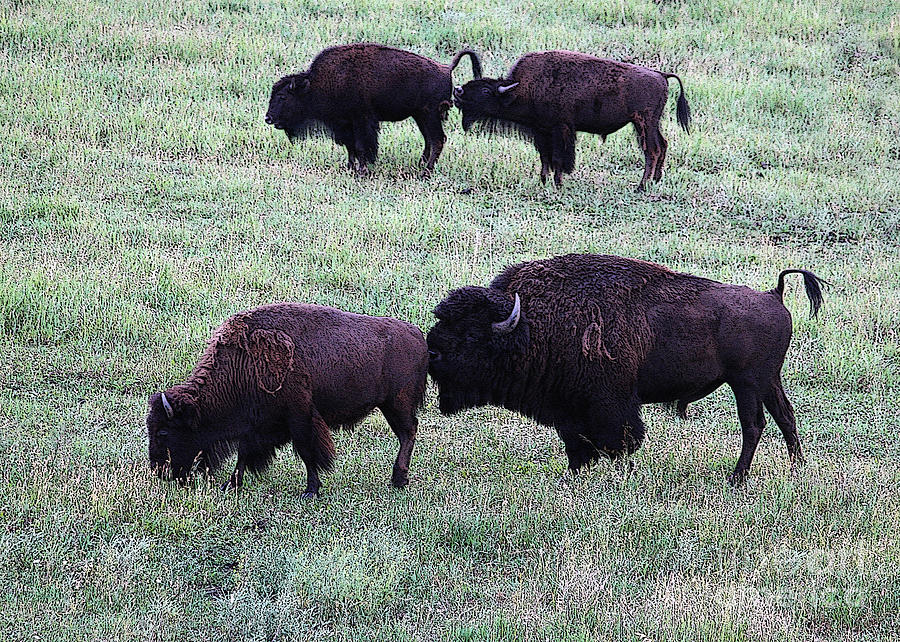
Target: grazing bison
{"x":579,"y":342}
{"x":549,"y":96}
{"x":289,"y":372}
{"x":348,"y":90}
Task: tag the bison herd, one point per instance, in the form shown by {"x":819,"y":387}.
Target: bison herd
{"x":547,"y":97}
{"x":577,"y":342}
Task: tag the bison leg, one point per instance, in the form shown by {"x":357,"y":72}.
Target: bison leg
{"x":343,"y":135}
{"x":365,"y":135}
{"x":433,"y":132}
{"x":779,"y":407}
{"x":312,"y":443}
{"x":618,"y":434}
{"x":563,"y":152}
{"x":661,"y":159}
{"x":237,"y":477}
{"x":750,"y":413}
{"x":402,"y":419}
{"x":543,"y":141}
{"x":351,"y":158}
{"x":579,"y":449}
{"x":647,"y":141}
{"x":426,"y":153}
{"x":255,"y":453}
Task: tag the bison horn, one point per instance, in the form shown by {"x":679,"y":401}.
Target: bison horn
{"x":509,"y":324}
{"x":503,"y":90}
{"x":167,"y":407}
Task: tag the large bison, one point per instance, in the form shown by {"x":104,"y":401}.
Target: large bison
{"x":348,"y":90}
{"x":579,"y":342}
{"x":289,"y":372}
{"x":549,"y":96}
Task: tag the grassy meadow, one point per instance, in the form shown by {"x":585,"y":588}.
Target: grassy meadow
{"x":143,"y":200}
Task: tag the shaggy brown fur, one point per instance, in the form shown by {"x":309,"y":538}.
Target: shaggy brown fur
{"x":549,"y":96}
{"x":289,"y":372}
{"x":597,"y":336}
{"x":349,"y":89}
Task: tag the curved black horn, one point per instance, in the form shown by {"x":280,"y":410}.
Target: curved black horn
{"x":503,"y":90}
{"x":167,"y":407}
{"x":509,"y":324}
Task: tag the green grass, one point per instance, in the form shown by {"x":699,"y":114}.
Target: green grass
{"x":143,"y":200}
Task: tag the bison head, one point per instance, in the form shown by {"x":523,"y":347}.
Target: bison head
{"x":480,"y":335}
{"x":172,"y":426}
{"x":483,"y":99}
{"x":289,"y":104}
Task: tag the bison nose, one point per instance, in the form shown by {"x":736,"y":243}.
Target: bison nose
{"x":268,"y":119}
{"x":457,"y":91}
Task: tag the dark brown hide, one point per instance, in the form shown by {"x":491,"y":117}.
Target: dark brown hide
{"x":348,"y":90}
{"x":290,"y":372}
{"x":549,"y":96}
{"x":598,"y":336}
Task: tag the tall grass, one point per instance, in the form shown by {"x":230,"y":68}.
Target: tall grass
{"x":143,"y":200}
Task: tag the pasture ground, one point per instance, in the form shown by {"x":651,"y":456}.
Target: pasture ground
{"x":143,"y":200}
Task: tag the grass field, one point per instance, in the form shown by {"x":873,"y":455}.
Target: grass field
{"x":143,"y":200}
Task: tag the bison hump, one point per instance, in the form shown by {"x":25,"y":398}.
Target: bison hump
{"x":272,"y":354}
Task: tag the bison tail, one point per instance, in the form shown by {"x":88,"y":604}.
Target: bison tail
{"x":682,"y":109}
{"x":473,"y":56}
{"x":813,"y":285}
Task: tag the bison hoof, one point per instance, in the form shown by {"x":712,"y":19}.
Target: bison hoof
{"x":400,"y":483}
{"x":737,"y":478}
{"x":310,"y":494}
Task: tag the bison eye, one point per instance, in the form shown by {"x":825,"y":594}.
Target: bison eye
{"x":162,"y":433}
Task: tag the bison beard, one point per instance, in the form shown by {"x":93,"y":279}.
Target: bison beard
{"x":550,"y":96}
{"x":596,"y":337}
{"x":289,"y":373}
{"x":348,"y":90}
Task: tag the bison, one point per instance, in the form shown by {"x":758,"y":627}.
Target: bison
{"x":549,"y":96}
{"x":580,"y":342}
{"x":348,"y":90}
{"x":289,"y":372}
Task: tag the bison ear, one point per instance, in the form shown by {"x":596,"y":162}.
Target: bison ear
{"x":299,"y":84}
